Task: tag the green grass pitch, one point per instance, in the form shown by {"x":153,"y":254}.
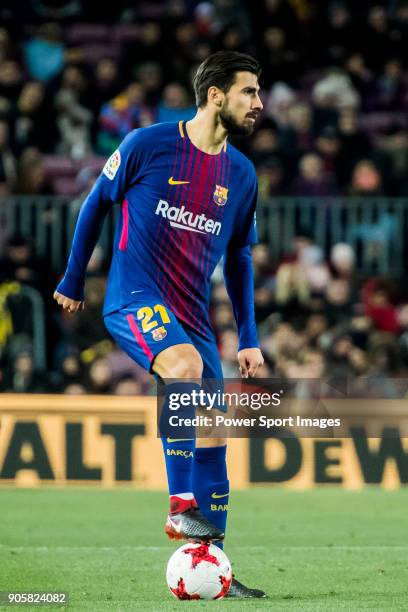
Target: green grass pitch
{"x":320,"y":550}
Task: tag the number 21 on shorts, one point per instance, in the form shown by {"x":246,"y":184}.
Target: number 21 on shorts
{"x":151,"y":319}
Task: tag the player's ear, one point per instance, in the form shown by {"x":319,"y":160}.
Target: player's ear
{"x":215,"y":95}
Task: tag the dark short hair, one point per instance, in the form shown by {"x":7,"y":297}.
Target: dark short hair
{"x":219,"y":70}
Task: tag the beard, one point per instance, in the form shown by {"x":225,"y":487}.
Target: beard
{"x":233,"y":127}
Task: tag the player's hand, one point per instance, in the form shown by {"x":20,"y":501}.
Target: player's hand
{"x":68,"y":303}
{"x":249,"y":361}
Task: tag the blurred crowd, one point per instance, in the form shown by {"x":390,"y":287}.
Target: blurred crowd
{"x":74,"y":81}
{"x":317,"y":318}
{"x":76,"y":77}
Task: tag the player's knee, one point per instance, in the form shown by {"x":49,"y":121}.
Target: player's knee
{"x":180,"y":363}
{"x":188,"y":366}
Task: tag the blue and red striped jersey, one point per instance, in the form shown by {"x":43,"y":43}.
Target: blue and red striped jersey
{"x":181,"y":210}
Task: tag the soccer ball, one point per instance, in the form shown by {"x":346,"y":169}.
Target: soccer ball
{"x":199,"y":571}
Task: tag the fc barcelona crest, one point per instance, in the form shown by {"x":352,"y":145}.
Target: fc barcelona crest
{"x":159,"y":333}
{"x":220,"y":195}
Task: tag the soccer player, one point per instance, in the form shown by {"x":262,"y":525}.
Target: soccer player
{"x":188,"y":198}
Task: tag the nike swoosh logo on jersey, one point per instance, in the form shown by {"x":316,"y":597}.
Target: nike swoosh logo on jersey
{"x":173,"y":182}
{"x":216,"y":496}
{"x":170,"y":440}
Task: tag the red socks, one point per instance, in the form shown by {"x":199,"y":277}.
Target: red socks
{"x":178,"y":505}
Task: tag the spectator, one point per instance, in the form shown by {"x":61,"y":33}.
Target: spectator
{"x":284,"y":60}
{"x":74,"y":388}
{"x":32,"y":127}
{"x":391,"y":86}
{"x":107,"y":82}
{"x":5,"y":45}
{"x":395,"y":146}
{"x":379,"y":234}
{"x":123,"y":368}
{"x":327,"y":145}
{"x":70,"y":374}
{"x":31,"y":177}
{"x":291,"y":285}
{"x":377,"y":298}
{"x":63,"y":9}
{"x":362,"y":79}
{"x":100,"y":380}
{"x":312,"y":180}
{"x":271,"y":162}
{"x":150,"y":76}
{"x":19,"y":266}
{"x":73,"y":103}
{"x":338,"y":305}
{"x":11,"y":79}
{"x":354,"y":145}
{"x":175,"y":105}
{"x":375,"y":40}
{"x":127,"y":385}
{"x":233,"y":39}
{"x":366,"y":179}
{"x":149,"y":45}
{"x":342,"y":261}
{"x":121,"y":115}
{"x":271,"y":178}
{"x":24,"y":378}
{"x":228,"y":347}
{"x":280,"y":100}
{"x":75,"y":80}
{"x":340,"y":35}
{"x":184,"y":43}
{"x":74,"y":123}
{"x":297,"y":135}
{"x":312,"y":364}
{"x":336,"y":91}
{"x":314,"y":269}
{"x":232,"y":13}
{"x":316,"y":325}
{"x":266,"y":145}
{"x":205,"y":20}
{"x":44,"y":53}
{"x":8,"y":165}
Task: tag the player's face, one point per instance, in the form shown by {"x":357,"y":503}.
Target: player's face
{"x":241,"y":105}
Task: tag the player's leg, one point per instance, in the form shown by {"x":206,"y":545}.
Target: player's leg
{"x":209,"y":474}
{"x":160,"y":345}
{"x":180,"y":367}
{"x":210,"y":480}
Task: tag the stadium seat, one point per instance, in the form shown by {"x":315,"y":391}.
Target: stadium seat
{"x":93,"y":163}
{"x":85,"y":33}
{"x":56,"y":166}
{"x":125,"y":32}
{"x":382,"y":121}
{"x":96,"y":52}
{"x":66,"y":186}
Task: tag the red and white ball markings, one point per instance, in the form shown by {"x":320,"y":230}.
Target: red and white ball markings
{"x":199,"y":571}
